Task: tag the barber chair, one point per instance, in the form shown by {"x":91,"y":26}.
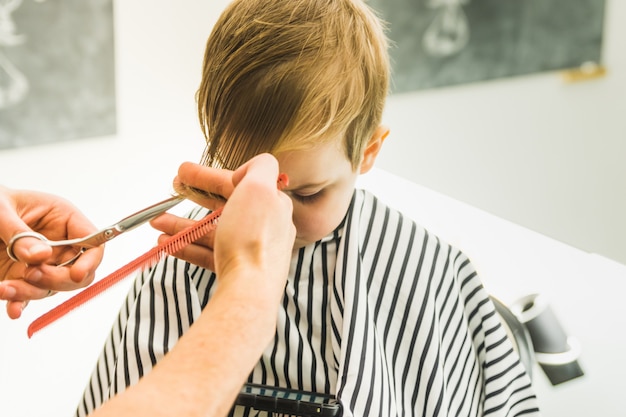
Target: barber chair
{"x":539,"y":338}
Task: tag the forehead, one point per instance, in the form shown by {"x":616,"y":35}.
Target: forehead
{"x":320,"y":163}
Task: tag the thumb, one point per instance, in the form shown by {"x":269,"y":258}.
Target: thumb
{"x":263,"y":168}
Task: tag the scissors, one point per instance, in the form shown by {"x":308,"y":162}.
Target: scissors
{"x":103,"y":235}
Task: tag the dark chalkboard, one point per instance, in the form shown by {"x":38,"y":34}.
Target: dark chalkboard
{"x":439,"y":43}
{"x":57,"y":78}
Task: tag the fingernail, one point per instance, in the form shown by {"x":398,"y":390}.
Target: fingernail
{"x":37,"y":248}
{"x":9,"y":292}
{"x":34,"y":275}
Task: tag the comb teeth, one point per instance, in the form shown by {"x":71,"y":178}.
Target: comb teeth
{"x":172,"y":245}
{"x":191,"y":234}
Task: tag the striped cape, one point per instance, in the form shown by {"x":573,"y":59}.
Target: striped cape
{"x":381,"y":313}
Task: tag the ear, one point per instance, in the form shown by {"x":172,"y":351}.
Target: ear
{"x":372,"y":148}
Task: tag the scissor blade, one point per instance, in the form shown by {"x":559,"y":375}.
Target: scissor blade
{"x":147,"y":214}
{"x":128,"y":223}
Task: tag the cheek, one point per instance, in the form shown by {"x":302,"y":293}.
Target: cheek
{"x":317,"y":221}
{"x":309,"y":221}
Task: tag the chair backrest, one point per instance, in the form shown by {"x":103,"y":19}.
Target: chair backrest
{"x":518,"y":333}
{"x":555,"y":351}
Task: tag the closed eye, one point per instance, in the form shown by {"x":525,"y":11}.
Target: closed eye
{"x":307,"y":198}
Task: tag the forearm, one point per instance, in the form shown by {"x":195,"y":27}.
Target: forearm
{"x":203,"y":373}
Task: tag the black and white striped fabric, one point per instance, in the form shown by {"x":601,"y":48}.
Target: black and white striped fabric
{"x":381,"y":313}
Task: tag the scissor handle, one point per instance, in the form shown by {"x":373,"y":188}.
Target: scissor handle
{"x":103,"y":235}
{"x":41,"y":237}
{"x":18,"y":236}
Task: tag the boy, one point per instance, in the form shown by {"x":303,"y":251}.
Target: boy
{"x":376,"y":310}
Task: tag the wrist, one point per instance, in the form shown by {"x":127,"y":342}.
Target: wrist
{"x":262,"y":285}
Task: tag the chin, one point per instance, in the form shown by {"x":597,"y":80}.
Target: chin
{"x":299,"y":243}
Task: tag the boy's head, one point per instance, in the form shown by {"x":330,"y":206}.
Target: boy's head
{"x":284,"y":75}
{"x":305,"y":80}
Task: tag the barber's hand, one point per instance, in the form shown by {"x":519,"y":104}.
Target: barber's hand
{"x":222,"y":182}
{"x":196,"y":182}
{"x":36,"y":275}
{"x":255,"y":234}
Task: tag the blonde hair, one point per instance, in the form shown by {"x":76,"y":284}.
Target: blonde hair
{"x":281,"y":75}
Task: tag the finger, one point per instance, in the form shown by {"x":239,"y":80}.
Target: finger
{"x":207,"y":180}
{"x":15,"y":308}
{"x":20,"y":290}
{"x":83,"y":271}
{"x":7,"y":292}
{"x":171,"y":224}
{"x":200,"y":255}
{"x":31,"y":250}
{"x":263,"y":167}
{"x":216,"y":181}
{"x":54,"y":217}
{"x":10,"y":222}
{"x":204,"y":198}
{"x":52,"y":277}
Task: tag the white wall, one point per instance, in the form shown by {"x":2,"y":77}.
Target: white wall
{"x":551,"y":153}
{"x":534,"y":150}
